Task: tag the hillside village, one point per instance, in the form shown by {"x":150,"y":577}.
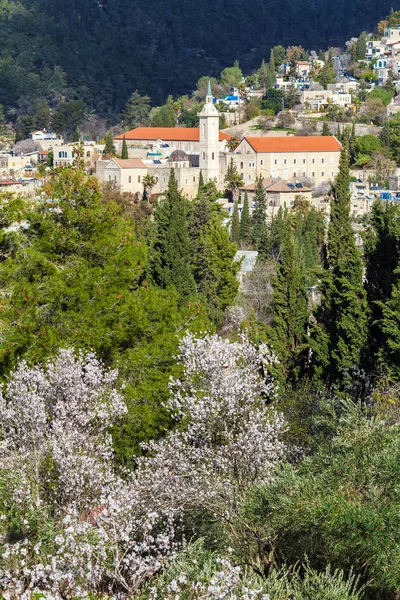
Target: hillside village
{"x":284,"y":123}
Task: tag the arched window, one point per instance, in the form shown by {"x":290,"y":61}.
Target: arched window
{"x":204,"y":156}
{"x":212,"y":156}
{"x":130,"y":179}
{"x":138,"y":178}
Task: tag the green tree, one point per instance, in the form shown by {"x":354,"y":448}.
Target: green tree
{"x":391,"y":138}
{"x":245,"y":233}
{"x":341,"y":331}
{"x":382,"y":256}
{"x":136,"y":112}
{"x":109,"y":147}
{"x":215,"y":269}
{"x":273,"y":100}
{"x":325,"y":129}
{"x":170,"y":253}
{"x":124,"y":151}
{"x":259,"y":219}
{"x":290,"y":313}
{"x":231,"y":76}
{"x":263,"y":75}
{"x":279,"y":53}
{"x":165,"y":115}
{"x":68,"y":117}
{"x":361,"y":46}
{"x":235,"y":225}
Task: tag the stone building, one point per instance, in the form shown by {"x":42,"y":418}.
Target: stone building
{"x":315,"y":158}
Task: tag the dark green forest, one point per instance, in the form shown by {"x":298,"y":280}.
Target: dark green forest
{"x":101,"y":51}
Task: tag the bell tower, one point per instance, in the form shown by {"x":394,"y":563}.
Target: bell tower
{"x":209,"y":139}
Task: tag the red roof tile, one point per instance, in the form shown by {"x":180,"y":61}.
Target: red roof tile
{"x":312,"y":143}
{"x":173,"y":134}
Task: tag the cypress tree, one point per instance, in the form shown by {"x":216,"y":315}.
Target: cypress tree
{"x":170,"y":256}
{"x":215,"y":268}
{"x":325,"y":129}
{"x":277,"y":233}
{"x":290,"y":308}
{"x":352,"y":144}
{"x":259,"y":219}
{"x":235,"y":225}
{"x":245,"y":221}
{"x":338,"y":134}
{"x":201,"y":185}
{"x":109,"y":147}
{"x":124,"y":152}
{"x":342,"y":318}
{"x":382,"y":255}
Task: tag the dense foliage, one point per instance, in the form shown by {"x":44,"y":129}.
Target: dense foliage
{"x":101,"y":52}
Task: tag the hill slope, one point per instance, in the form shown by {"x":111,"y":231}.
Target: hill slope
{"x":108,"y":48}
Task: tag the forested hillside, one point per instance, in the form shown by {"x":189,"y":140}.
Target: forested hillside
{"x":101,"y":51}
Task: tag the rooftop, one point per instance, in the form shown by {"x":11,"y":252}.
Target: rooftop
{"x":312,"y":143}
{"x":174,"y":134}
{"x":276,"y":184}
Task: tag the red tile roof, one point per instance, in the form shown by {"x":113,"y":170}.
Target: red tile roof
{"x":173,"y":134}
{"x":129,"y":163}
{"x":4,"y":182}
{"x":312,"y":143}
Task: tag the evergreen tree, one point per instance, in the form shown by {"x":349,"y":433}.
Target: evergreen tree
{"x":341,"y":332}
{"x":235,"y":225}
{"x":76,"y":137}
{"x":124,"y":152}
{"x":277,"y":233}
{"x":352,"y":144}
{"x":170,"y":257}
{"x":109,"y":148}
{"x":290,"y":307}
{"x":338,"y":134}
{"x":215,"y":268}
{"x":361,"y":46}
{"x":259,"y":219}
{"x":201,"y":184}
{"x":200,"y":215}
{"x":263,"y":75}
{"x":325,"y":129}
{"x":382,"y":255}
{"x":245,"y":222}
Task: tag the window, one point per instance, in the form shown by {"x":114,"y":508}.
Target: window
{"x":261,"y":162}
{"x":249,"y":176}
{"x":276,"y":161}
{"x":88,"y":154}
{"x":194,"y":179}
{"x":115,"y":178}
{"x":109,"y":178}
{"x":242,"y":175}
{"x":241,"y":165}
{"x":59,"y":155}
{"x":130,"y":179}
{"x":313,"y":161}
{"x":284,"y":161}
{"x":212,"y":156}
{"x":138,"y":179}
{"x":323,"y":161}
{"x":332,"y":173}
{"x":204,"y":156}
{"x":304,"y":161}
{"x":304,"y":173}
{"x":249,"y":164}
{"x":295,"y":161}
{"x":313,"y":174}
{"x":322,"y":173}
{"x":294,"y":174}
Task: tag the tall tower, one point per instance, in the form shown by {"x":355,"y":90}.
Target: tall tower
{"x":209,"y":139}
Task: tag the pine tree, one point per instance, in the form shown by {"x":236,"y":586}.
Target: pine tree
{"x":170,"y":256}
{"x":325,"y":129}
{"x":124,"y":152}
{"x":341,"y":333}
{"x":259,"y":219}
{"x":245,"y":222}
{"x":109,"y":148}
{"x":290,"y":308}
{"x":235,"y":225}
